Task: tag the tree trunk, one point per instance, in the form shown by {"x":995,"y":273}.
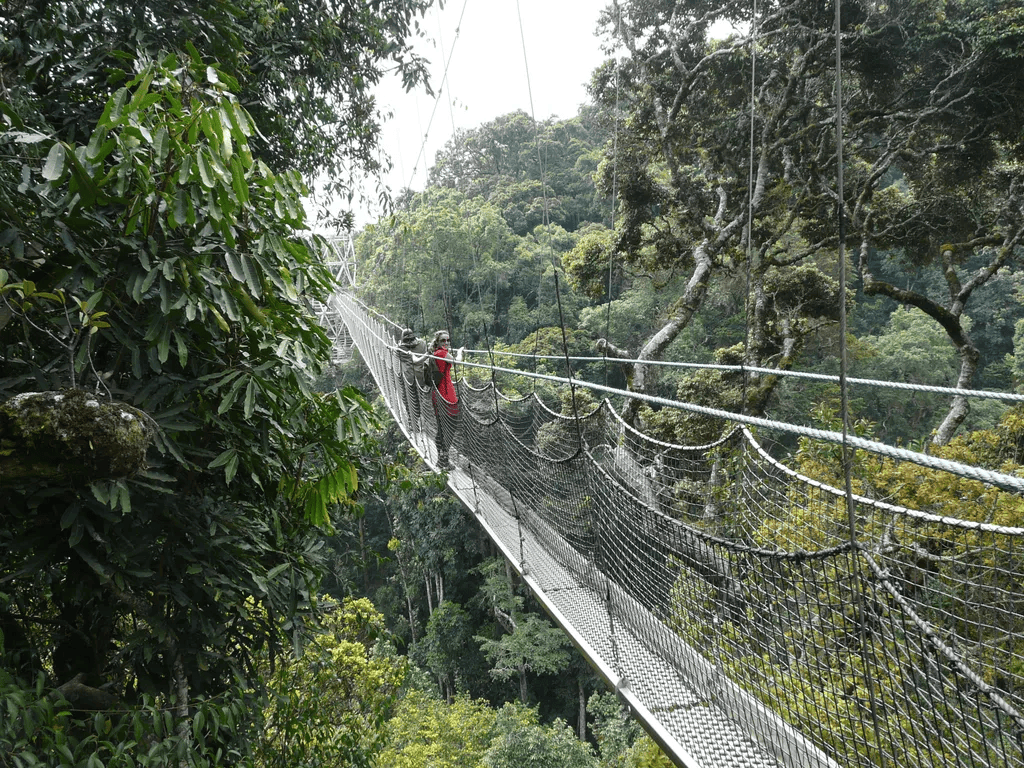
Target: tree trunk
{"x":696,"y":290}
{"x":960,"y":406}
{"x":184,"y":728}
{"x":950,"y":319}
{"x":582,"y":729}
{"x":412,"y":616}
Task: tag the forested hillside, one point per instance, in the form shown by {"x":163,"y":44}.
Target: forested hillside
{"x":216,"y":549}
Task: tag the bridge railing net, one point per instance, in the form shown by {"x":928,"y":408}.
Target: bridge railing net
{"x":886,"y":636}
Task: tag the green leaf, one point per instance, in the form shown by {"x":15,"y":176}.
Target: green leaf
{"x":92,"y":562}
{"x":277,"y":570}
{"x":217,"y":163}
{"x":222,"y":459}
{"x":68,"y":517}
{"x":241,"y":119}
{"x":234,"y":262}
{"x":185,"y":171}
{"x":163,"y":344}
{"x":219,"y":318}
{"x":182,"y":348}
{"x":252,"y":278}
{"x":229,"y":399}
{"x":16,"y":121}
{"x":160,"y":144}
{"x":250,"y":398}
{"x":179,"y":214}
{"x":206,"y":172}
{"x":142,"y":83}
{"x":197,"y":724}
{"x":238,"y":182}
{"x":114,"y":108}
{"x":99,"y":145}
{"x":56,"y":163}
{"x":223,"y":122}
{"x":77,"y":532}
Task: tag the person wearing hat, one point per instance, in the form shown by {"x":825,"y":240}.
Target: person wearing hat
{"x":412,"y":352}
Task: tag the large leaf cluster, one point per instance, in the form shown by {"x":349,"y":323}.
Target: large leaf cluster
{"x":305,"y":70}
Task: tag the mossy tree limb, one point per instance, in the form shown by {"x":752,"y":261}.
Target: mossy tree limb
{"x":71,"y":434}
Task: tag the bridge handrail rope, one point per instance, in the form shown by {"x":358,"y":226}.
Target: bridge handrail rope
{"x":744,"y":615}
{"x":831,"y":378}
{"x":999,"y":479}
{"x":893,"y":509}
{"x":1011,"y":397}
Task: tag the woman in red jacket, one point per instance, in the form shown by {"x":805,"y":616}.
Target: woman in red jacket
{"x":446,"y":401}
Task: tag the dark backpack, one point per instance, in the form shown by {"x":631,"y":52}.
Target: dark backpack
{"x":433,"y":372}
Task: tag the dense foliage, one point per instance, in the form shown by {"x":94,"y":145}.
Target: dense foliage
{"x":723,"y":179}
{"x":154,"y":268}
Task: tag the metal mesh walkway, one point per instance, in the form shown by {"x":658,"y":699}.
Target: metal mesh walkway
{"x":610,"y":629}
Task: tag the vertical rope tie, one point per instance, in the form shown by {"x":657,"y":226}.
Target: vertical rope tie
{"x":615,"y":191}
{"x":847,"y":451}
{"x":750,"y":208}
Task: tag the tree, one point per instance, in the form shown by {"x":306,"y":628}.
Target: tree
{"x":447,"y":644}
{"x":523,"y":743}
{"x":331,"y":704}
{"x":690,"y":176}
{"x":526,"y":642}
{"x":950,"y":317}
{"x":533,"y":173}
{"x":440,"y":263}
{"x":910,"y":349}
{"x":428,"y":731}
{"x":305,"y":71}
{"x":681,"y":164}
{"x":943,"y":179}
{"x":152,"y":258}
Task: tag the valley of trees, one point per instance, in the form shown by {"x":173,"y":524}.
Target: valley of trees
{"x":216,"y":549}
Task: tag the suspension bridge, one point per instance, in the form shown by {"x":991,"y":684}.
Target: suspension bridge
{"x":746,"y":614}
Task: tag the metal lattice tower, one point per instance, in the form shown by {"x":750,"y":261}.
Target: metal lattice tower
{"x":343,"y":266}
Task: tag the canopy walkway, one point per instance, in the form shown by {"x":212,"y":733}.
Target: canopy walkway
{"x":748,"y":616}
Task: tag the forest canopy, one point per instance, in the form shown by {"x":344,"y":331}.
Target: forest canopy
{"x":191,"y":582}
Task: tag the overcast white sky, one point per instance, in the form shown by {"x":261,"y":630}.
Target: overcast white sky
{"x":487,"y":75}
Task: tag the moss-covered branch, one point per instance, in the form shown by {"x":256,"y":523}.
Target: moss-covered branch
{"x":70,"y":434}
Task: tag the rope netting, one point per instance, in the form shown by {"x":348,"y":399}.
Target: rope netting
{"x":722,"y":593}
